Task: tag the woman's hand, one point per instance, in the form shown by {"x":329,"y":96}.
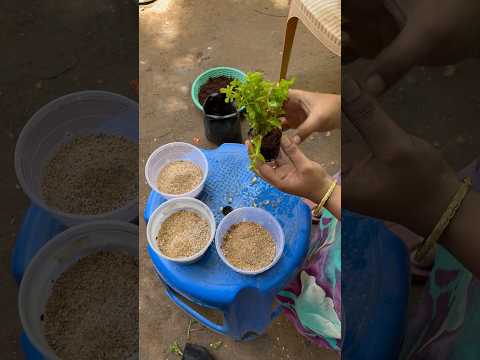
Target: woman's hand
{"x":294,"y":173}
{"x":402,"y":179}
{"x":424,"y":32}
{"x":308,"y":112}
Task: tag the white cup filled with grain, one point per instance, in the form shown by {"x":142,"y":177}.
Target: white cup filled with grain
{"x":77,"y":158}
{"x":78,"y":298}
{"x":181,"y":230}
{"x":249,"y":240}
{"x":177,"y":170}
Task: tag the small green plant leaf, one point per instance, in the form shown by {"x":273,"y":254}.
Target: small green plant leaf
{"x":175,"y":349}
{"x":263,"y":101}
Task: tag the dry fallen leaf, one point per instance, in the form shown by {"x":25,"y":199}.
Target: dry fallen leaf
{"x":216,"y":345}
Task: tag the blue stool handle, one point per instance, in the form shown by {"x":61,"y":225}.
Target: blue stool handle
{"x":222,"y":329}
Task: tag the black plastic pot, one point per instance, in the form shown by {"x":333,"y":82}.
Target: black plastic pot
{"x":221,"y":120}
{"x":196,"y":352}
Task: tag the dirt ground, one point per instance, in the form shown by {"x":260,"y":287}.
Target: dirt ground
{"x":50,"y":49}
{"x":178,"y":41}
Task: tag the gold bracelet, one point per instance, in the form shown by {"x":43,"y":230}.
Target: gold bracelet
{"x":444,"y":221}
{"x":317,"y":210}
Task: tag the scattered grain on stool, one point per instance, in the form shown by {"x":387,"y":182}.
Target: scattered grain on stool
{"x":92,"y":174}
{"x":179,"y":177}
{"x":183,"y":234}
{"x":248,"y":246}
{"x":92,"y":312}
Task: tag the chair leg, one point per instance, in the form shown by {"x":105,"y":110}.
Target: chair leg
{"x":287,"y":45}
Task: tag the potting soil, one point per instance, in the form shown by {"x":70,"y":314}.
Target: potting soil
{"x":213,"y":85}
{"x":270,"y":147}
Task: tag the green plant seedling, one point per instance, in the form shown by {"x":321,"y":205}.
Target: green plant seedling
{"x":263,"y":101}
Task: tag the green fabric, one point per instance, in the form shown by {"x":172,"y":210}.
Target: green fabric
{"x":314,"y":309}
{"x":452,"y":333}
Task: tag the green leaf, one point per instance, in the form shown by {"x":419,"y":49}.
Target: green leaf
{"x":175,"y":349}
{"x":256,"y":154}
{"x":263,"y":101}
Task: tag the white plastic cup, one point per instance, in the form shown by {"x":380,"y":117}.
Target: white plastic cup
{"x":258,"y":216}
{"x":57,"y":123}
{"x":54,"y":258}
{"x":167,"y":209}
{"x":173,"y":152}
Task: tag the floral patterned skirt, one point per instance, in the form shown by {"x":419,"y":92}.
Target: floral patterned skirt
{"x":312,"y":301}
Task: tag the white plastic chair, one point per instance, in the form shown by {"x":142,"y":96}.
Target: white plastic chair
{"x":321,"y":17}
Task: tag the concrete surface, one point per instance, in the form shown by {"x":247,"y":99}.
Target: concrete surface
{"x":178,"y":41}
{"x":49,"y":49}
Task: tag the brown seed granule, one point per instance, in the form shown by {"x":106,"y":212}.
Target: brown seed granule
{"x":92,"y":311}
{"x":92,"y":174}
{"x":179,"y":177}
{"x":183,"y":234}
{"x":248,"y":246}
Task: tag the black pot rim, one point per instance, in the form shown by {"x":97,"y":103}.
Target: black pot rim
{"x":221,"y":117}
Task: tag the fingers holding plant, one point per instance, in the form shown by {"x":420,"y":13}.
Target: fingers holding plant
{"x":294,"y":173}
{"x":308,"y":112}
{"x":404,"y":179}
{"x":271,"y":106}
{"x":263,"y":101}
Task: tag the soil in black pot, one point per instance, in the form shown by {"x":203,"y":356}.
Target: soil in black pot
{"x":270,"y":144}
{"x":217,"y":105}
{"x":213,"y":85}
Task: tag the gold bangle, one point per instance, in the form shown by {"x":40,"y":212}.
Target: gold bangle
{"x":444,"y":221}
{"x":317,"y":210}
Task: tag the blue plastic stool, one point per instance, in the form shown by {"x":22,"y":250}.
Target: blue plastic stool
{"x":37,"y":228}
{"x":245,"y":301}
{"x":375,"y":287}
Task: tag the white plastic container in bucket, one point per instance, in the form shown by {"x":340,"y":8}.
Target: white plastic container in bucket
{"x":167,"y":209}
{"x":258,"y":216}
{"x":57,"y":123}
{"x":54,"y":258}
{"x":173,"y":152}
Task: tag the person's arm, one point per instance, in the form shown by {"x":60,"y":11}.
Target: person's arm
{"x":296,"y":174}
{"x":334,"y":203}
{"x":405,"y":180}
{"x":462,"y":235}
